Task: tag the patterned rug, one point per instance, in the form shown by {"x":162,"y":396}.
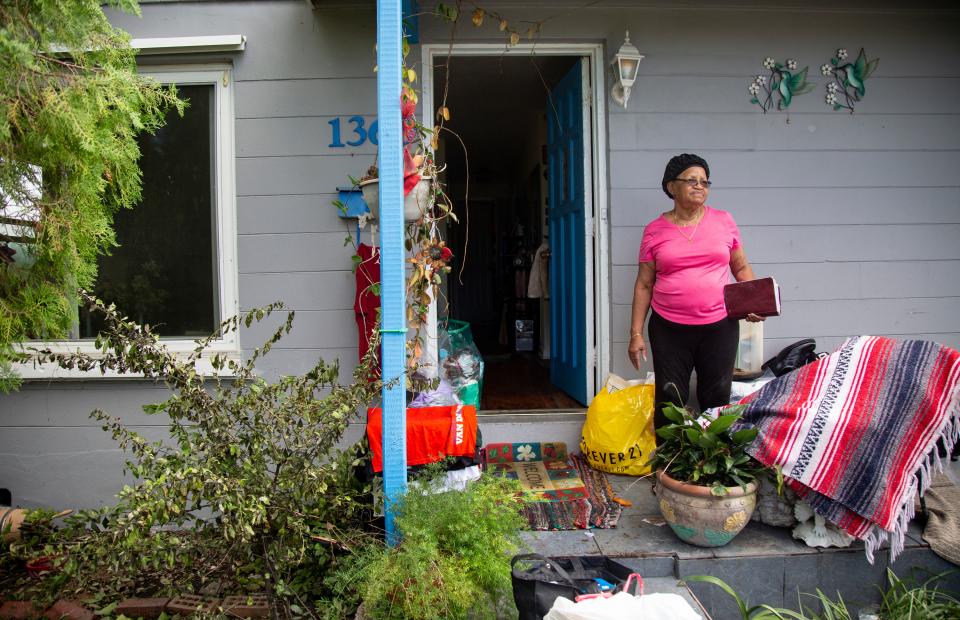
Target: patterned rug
{"x":561,"y":490}
{"x":605,"y":506}
{"x":555,"y":497}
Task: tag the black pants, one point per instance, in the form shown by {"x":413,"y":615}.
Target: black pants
{"x":679,"y":349}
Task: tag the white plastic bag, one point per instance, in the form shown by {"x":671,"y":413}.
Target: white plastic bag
{"x":623,"y":606}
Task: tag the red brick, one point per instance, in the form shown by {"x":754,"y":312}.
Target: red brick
{"x":71,"y":610}
{"x":19,"y":610}
{"x":252,"y":606}
{"x":142,"y":607}
{"x":189,"y":604}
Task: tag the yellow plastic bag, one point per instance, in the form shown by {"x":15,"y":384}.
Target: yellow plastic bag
{"x":618,"y":435}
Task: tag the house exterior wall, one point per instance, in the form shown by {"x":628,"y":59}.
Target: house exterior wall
{"x":857,"y":217}
{"x":854,"y":215}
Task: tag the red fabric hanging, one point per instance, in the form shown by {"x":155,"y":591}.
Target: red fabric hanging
{"x":433,"y":433}
{"x":366,"y":303}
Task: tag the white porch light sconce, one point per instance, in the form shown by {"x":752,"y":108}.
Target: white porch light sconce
{"x":626,"y":62}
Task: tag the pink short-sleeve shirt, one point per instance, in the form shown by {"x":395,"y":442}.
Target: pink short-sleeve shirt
{"x":691,"y":273}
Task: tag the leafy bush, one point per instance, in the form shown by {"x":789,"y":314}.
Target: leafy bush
{"x":248,"y":492}
{"x":454,"y":558}
{"x":69,"y":125}
{"x":699,"y":450}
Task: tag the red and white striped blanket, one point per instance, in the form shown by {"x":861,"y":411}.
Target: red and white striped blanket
{"x":856,"y":432}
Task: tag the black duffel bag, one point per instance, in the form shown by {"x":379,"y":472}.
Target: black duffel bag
{"x":792,"y":356}
{"x":539,"y":580}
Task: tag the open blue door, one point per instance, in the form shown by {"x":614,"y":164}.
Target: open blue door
{"x":566,"y":215}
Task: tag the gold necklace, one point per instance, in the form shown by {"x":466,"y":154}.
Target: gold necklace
{"x":698,"y":217}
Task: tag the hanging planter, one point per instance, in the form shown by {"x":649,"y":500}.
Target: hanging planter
{"x":419,"y":201}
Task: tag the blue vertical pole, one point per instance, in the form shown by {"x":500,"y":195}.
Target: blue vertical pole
{"x":393,"y":283}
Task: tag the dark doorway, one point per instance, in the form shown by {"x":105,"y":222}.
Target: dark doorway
{"x":498,"y":107}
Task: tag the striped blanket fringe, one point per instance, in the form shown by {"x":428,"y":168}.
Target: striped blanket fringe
{"x":931,"y":465}
{"x":856,"y":433}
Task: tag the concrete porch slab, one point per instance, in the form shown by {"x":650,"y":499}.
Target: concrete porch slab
{"x":763,"y":564}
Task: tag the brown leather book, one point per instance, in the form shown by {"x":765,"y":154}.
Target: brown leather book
{"x":761,"y":297}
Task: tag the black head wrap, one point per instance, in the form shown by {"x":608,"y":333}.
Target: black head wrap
{"x":678,"y":164}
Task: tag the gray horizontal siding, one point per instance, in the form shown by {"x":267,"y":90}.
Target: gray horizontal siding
{"x":69,"y":403}
{"x":867,"y":242}
{"x":292,"y":136}
{"x":312,"y":329}
{"x":308,"y":290}
{"x":857,"y":216}
{"x":847,"y":317}
{"x":814,"y":206}
{"x":839,"y":280}
{"x":289,"y":213}
{"x":817,"y":131}
{"x":285,"y":39}
{"x":619,"y":364}
{"x":298,"y":98}
{"x":798,"y":169}
{"x":277,"y":253}
{"x":680,"y":94}
{"x":298,"y":361}
{"x":297,"y":174}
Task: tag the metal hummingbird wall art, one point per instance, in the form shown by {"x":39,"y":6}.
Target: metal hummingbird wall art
{"x":779,"y":87}
{"x":848,"y":84}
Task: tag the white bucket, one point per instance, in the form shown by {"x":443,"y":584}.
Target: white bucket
{"x":415,"y":204}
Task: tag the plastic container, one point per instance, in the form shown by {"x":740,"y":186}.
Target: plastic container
{"x":749,"y":351}
{"x":461,"y":364}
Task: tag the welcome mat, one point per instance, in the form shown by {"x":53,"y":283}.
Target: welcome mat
{"x":561,"y":491}
{"x":555,"y":497}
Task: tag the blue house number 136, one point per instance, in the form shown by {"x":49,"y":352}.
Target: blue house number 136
{"x":357,"y":128}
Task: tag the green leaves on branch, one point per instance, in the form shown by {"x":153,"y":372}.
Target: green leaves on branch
{"x":71,"y":108}
{"x":454,"y":559}
{"x":249,"y":488}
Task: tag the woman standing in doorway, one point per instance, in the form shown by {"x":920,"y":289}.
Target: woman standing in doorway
{"x":686,"y":257}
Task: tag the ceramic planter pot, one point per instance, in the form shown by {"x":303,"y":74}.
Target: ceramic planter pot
{"x":415,"y":204}
{"x":700,"y":518}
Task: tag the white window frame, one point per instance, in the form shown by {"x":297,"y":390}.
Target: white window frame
{"x":221,"y":77}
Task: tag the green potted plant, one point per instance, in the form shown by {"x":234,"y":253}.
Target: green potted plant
{"x":706,"y":481}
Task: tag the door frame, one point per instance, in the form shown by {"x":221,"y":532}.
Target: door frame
{"x":597,"y":319}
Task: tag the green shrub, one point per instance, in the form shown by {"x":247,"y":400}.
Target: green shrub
{"x":248,"y":493}
{"x":454,"y":558}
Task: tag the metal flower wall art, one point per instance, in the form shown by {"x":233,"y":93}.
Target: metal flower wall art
{"x":779,"y":87}
{"x":848,"y":84}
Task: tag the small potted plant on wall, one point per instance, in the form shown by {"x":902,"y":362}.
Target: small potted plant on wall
{"x":706,"y":481}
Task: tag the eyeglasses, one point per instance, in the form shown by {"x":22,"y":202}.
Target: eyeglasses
{"x":694,"y":182}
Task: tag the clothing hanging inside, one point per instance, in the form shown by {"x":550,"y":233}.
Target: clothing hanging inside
{"x":539,"y":284}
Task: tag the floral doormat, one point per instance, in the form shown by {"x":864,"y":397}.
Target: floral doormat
{"x":556,"y":497}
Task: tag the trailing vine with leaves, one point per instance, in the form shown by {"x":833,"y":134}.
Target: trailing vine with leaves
{"x":429,"y":256}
